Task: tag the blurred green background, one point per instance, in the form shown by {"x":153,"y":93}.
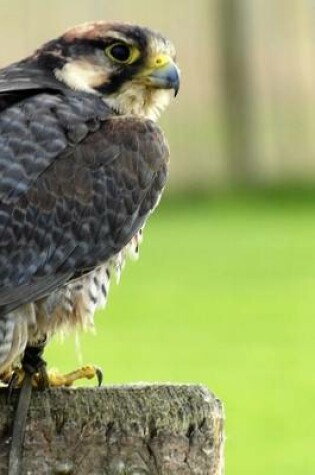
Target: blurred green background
{"x":223,"y":293}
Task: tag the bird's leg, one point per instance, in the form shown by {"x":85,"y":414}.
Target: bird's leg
{"x":34,"y":365}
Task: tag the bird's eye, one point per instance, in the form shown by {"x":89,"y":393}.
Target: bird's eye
{"x":122,"y":53}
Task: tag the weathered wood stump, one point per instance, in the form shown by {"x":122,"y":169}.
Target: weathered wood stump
{"x":130,"y":430}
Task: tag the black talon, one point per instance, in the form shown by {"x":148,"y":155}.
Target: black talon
{"x":11,"y":386}
{"x":43,"y":380}
{"x":99,"y":375}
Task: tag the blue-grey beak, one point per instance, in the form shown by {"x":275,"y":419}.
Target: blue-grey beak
{"x":165,"y":77}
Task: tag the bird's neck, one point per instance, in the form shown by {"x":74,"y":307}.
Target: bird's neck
{"x":139,"y":101}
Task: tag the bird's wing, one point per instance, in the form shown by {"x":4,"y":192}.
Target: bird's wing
{"x":76,"y":184}
{"x":25,"y":75}
{"x":25,"y":79}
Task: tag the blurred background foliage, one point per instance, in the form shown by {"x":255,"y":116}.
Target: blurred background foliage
{"x":224,"y":291}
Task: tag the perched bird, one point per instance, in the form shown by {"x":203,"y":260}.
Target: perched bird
{"x":82,"y":166}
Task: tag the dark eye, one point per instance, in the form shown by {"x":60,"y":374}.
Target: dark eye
{"x":122,"y":53}
{"x":119,"y":52}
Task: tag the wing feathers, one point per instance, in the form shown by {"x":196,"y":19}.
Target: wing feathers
{"x":11,"y":298}
{"x":77,"y":174}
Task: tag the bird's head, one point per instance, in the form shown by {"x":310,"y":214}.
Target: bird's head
{"x":133,"y":68}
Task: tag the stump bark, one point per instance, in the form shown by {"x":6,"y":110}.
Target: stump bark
{"x":130,"y":430}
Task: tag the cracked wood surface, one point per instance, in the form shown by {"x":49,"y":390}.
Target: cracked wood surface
{"x":119,"y":430}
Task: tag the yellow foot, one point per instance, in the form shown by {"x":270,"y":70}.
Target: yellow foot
{"x":6,"y":377}
{"x":51,"y":378}
{"x":56,"y":379}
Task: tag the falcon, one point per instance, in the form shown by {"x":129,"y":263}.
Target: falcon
{"x":83,"y":165}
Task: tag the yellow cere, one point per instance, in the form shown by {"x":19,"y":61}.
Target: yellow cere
{"x":161,"y":60}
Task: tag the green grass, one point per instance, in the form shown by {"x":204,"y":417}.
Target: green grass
{"x":224,"y":295}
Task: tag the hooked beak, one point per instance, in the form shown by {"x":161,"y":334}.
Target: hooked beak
{"x":164,"y":75}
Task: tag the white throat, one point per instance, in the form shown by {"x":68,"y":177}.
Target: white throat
{"x":140,"y":101}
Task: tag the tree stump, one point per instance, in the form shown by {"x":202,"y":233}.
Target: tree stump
{"x":130,"y":430}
